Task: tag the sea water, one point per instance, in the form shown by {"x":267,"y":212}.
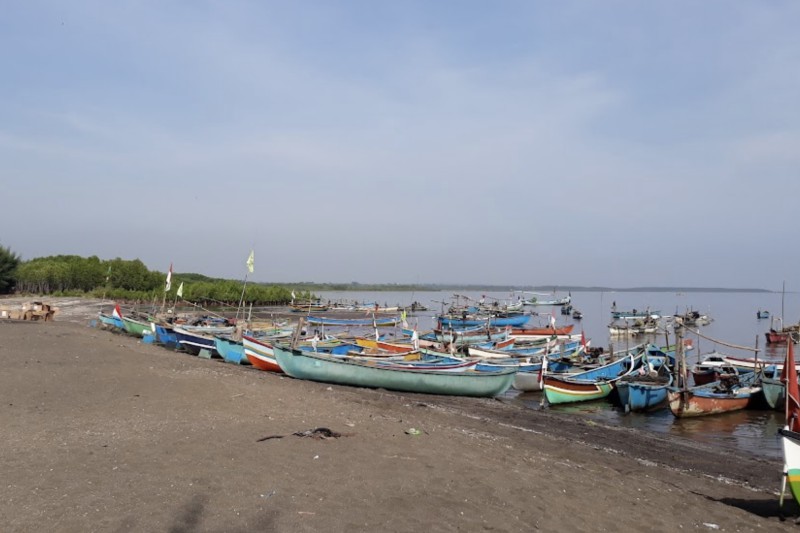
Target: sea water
{"x":734,"y":322}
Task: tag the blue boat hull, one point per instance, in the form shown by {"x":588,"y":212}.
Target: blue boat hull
{"x":195,"y":343}
{"x":637,"y":396}
{"x":166,"y":337}
{"x":513,"y":321}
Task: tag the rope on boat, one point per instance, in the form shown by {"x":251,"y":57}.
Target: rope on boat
{"x":729,"y":345}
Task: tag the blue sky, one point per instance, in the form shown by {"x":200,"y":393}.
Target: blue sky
{"x":532,"y":143}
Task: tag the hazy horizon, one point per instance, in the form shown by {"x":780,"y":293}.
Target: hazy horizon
{"x":519,"y":143}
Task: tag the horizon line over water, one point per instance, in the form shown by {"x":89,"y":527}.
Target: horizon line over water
{"x":545,"y":289}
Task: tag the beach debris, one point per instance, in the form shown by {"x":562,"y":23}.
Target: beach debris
{"x":413,"y":431}
{"x":710,"y":525}
{"x":316,"y":433}
{"x":30,"y":311}
{"x":268,"y":437}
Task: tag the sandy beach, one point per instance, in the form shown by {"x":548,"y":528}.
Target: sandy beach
{"x":102,"y":432}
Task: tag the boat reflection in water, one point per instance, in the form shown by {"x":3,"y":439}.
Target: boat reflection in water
{"x":751,"y":431}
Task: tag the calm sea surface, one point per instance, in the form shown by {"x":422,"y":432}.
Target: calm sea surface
{"x":734,"y":322}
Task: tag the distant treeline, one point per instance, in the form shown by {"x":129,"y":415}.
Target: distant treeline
{"x":131,"y":280}
{"x":407,"y":287}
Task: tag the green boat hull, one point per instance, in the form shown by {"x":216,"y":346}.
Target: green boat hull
{"x":558,"y":393}
{"x":136,"y":328}
{"x":327,"y":369}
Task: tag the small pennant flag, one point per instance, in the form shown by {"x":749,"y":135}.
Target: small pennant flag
{"x":180,"y":290}
{"x":251,"y":261}
{"x":117,"y":313}
{"x":168,"y":286}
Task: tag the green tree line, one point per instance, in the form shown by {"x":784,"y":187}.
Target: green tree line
{"x":122,"y":279}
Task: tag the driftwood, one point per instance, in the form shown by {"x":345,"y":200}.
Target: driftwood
{"x":31,"y":311}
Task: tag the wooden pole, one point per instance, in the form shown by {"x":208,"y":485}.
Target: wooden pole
{"x":755,"y":366}
{"x":681,"y":356}
{"x":241,"y":299}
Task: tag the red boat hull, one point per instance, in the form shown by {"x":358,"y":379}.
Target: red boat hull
{"x":563,"y":330}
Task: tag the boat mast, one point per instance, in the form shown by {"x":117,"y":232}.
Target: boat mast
{"x":680,"y":354}
{"x":783,"y":293}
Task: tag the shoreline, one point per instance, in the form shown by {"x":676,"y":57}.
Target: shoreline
{"x":107,"y":433}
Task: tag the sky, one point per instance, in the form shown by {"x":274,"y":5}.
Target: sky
{"x":610,"y":143}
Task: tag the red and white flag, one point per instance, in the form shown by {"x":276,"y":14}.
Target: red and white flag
{"x":116,"y":313}
{"x":789,"y":376}
{"x":169,"y":279}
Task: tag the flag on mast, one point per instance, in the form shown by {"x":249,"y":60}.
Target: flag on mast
{"x":117,"y":313}
{"x":180,"y":290}
{"x":168,"y":286}
{"x":251,"y":261}
{"x":789,"y":377}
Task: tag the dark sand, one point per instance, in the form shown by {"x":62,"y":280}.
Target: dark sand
{"x":104,"y":433}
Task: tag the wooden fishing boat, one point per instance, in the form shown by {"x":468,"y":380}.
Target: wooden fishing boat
{"x":694,"y":318}
{"x":782,"y":336}
{"x":527,"y":378}
{"x":790,"y":445}
{"x":790,"y":433}
{"x":137,"y":328}
{"x":634,"y":314}
{"x":260,"y":354}
{"x":774,"y":391}
{"x":593,"y":384}
{"x":230,"y":350}
{"x":639,"y":326}
{"x":327,"y":369}
{"x":165,"y":336}
{"x":554,"y":302}
{"x":431,"y":364}
{"x":353,"y":322}
{"x":521,"y":333}
{"x":111,"y":322}
{"x":513,"y":320}
{"x":196,"y":342}
{"x":644,"y":392}
{"x":731,"y":393}
{"x":712,"y":368}
{"x":751,"y":365}
{"x":562,"y":389}
{"x":308,"y":308}
{"x":469,"y":336}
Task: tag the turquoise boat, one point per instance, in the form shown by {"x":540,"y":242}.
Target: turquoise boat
{"x":230,"y":350}
{"x":111,"y":321}
{"x":330,"y":369}
{"x":773,"y":389}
